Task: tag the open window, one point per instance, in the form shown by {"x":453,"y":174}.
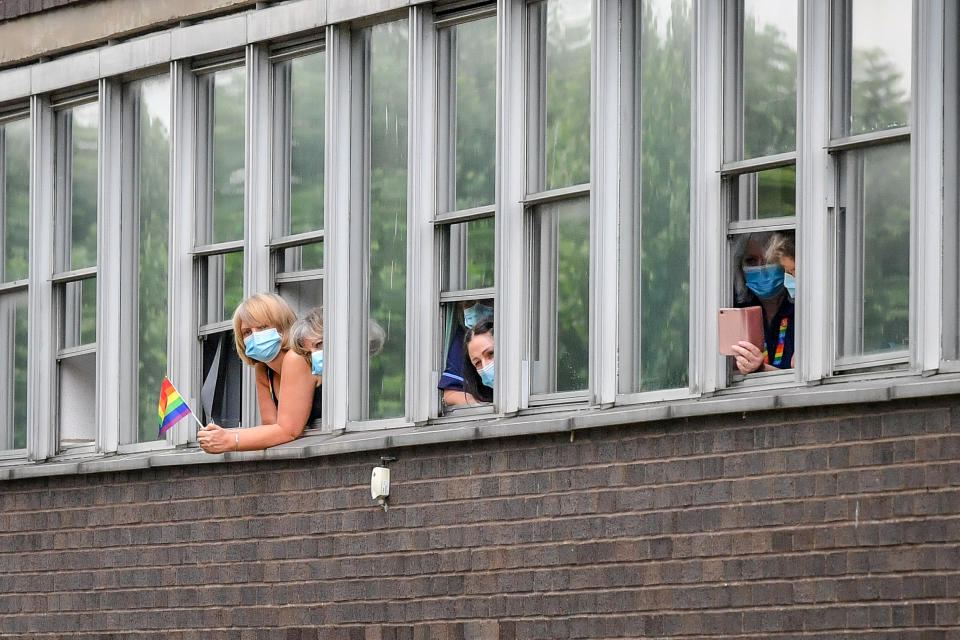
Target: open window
{"x":220,"y":93}
{"x":759,"y":171}
{"x":299,"y":74}
{"x":465,"y":213}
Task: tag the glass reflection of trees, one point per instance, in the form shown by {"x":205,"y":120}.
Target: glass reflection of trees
{"x":16,"y":207}
{"x":388,"y":214}
{"x":567,"y":144}
{"x":664,"y":123}
{"x":154,"y":208}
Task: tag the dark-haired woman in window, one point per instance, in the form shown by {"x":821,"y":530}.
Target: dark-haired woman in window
{"x":478,"y":375}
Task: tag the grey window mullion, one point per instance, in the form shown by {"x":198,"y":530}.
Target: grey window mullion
{"x":257,"y":197}
{"x":183,"y":365}
{"x":422,"y":295}
{"x":928,"y":181}
{"x":815,"y":197}
{"x":512,"y":389}
{"x":611,"y":191}
{"x":707,"y":228}
{"x":41,"y":368}
{"x":111,"y":405}
{"x":338,"y":203}
{"x":3,"y":204}
{"x":951,"y":205}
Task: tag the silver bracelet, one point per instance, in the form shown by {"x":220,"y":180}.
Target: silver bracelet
{"x":236,"y":436}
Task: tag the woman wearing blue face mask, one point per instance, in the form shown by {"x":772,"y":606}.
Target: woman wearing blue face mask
{"x":469,"y":315}
{"x":479,"y":374}
{"x":285,"y":385}
{"x":761,"y":283}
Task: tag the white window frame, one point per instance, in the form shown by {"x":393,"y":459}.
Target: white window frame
{"x":11,"y":288}
{"x":935,"y":297}
{"x":104,"y":439}
{"x":444,"y":217}
{"x":280,"y":239}
{"x":203,"y":250}
{"x":126,"y":164}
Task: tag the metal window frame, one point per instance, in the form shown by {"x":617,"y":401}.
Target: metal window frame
{"x":9,"y":290}
{"x":354,"y":47}
{"x":444,"y":217}
{"x":56,"y":250}
{"x":736,"y":166}
{"x":926,"y":199}
{"x":129,"y":162}
{"x":535,"y":193}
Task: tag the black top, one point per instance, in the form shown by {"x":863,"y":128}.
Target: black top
{"x":315,"y":409}
{"x":781,"y":320}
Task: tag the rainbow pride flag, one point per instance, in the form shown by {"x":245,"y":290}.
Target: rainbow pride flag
{"x":171,"y":408}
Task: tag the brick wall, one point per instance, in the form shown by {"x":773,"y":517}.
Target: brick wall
{"x":814,"y":524}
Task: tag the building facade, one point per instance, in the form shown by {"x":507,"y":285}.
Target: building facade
{"x":601,"y":173}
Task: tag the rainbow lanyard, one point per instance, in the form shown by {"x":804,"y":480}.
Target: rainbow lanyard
{"x":778,"y":354}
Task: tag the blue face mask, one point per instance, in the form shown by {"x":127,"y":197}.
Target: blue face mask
{"x":790,"y":284}
{"x":317,"y":362}
{"x":766,"y":281}
{"x":486,"y":375}
{"x":263,"y":346}
{"x":476,"y":313}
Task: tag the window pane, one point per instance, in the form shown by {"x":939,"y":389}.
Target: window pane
{"x":663,"y":119}
{"x":769,"y":77}
{"x":224,"y":286}
{"x":77,"y":199}
{"x":880,"y":75}
{"x":15,"y":207}
{"x":227,"y":148}
{"x":77,"y":401}
{"x":80,"y":313}
{"x":301,"y":258}
{"x":13,"y":370}
{"x":302,"y":295}
{"x":764,"y":194}
{"x":473,"y":102}
{"x":300,"y":90}
{"x":470,"y":250}
{"x":152,"y":103}
{"x":388,"y":214}
{"x":874,"y":250}
{"x":561,"y":296}
{"x":565,"y":137}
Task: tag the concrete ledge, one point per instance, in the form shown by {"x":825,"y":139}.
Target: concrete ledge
{"x":135,"y":54}
{"x":274,"y":22}
{"x":316,"y":445}
{"x":212,"y":36}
